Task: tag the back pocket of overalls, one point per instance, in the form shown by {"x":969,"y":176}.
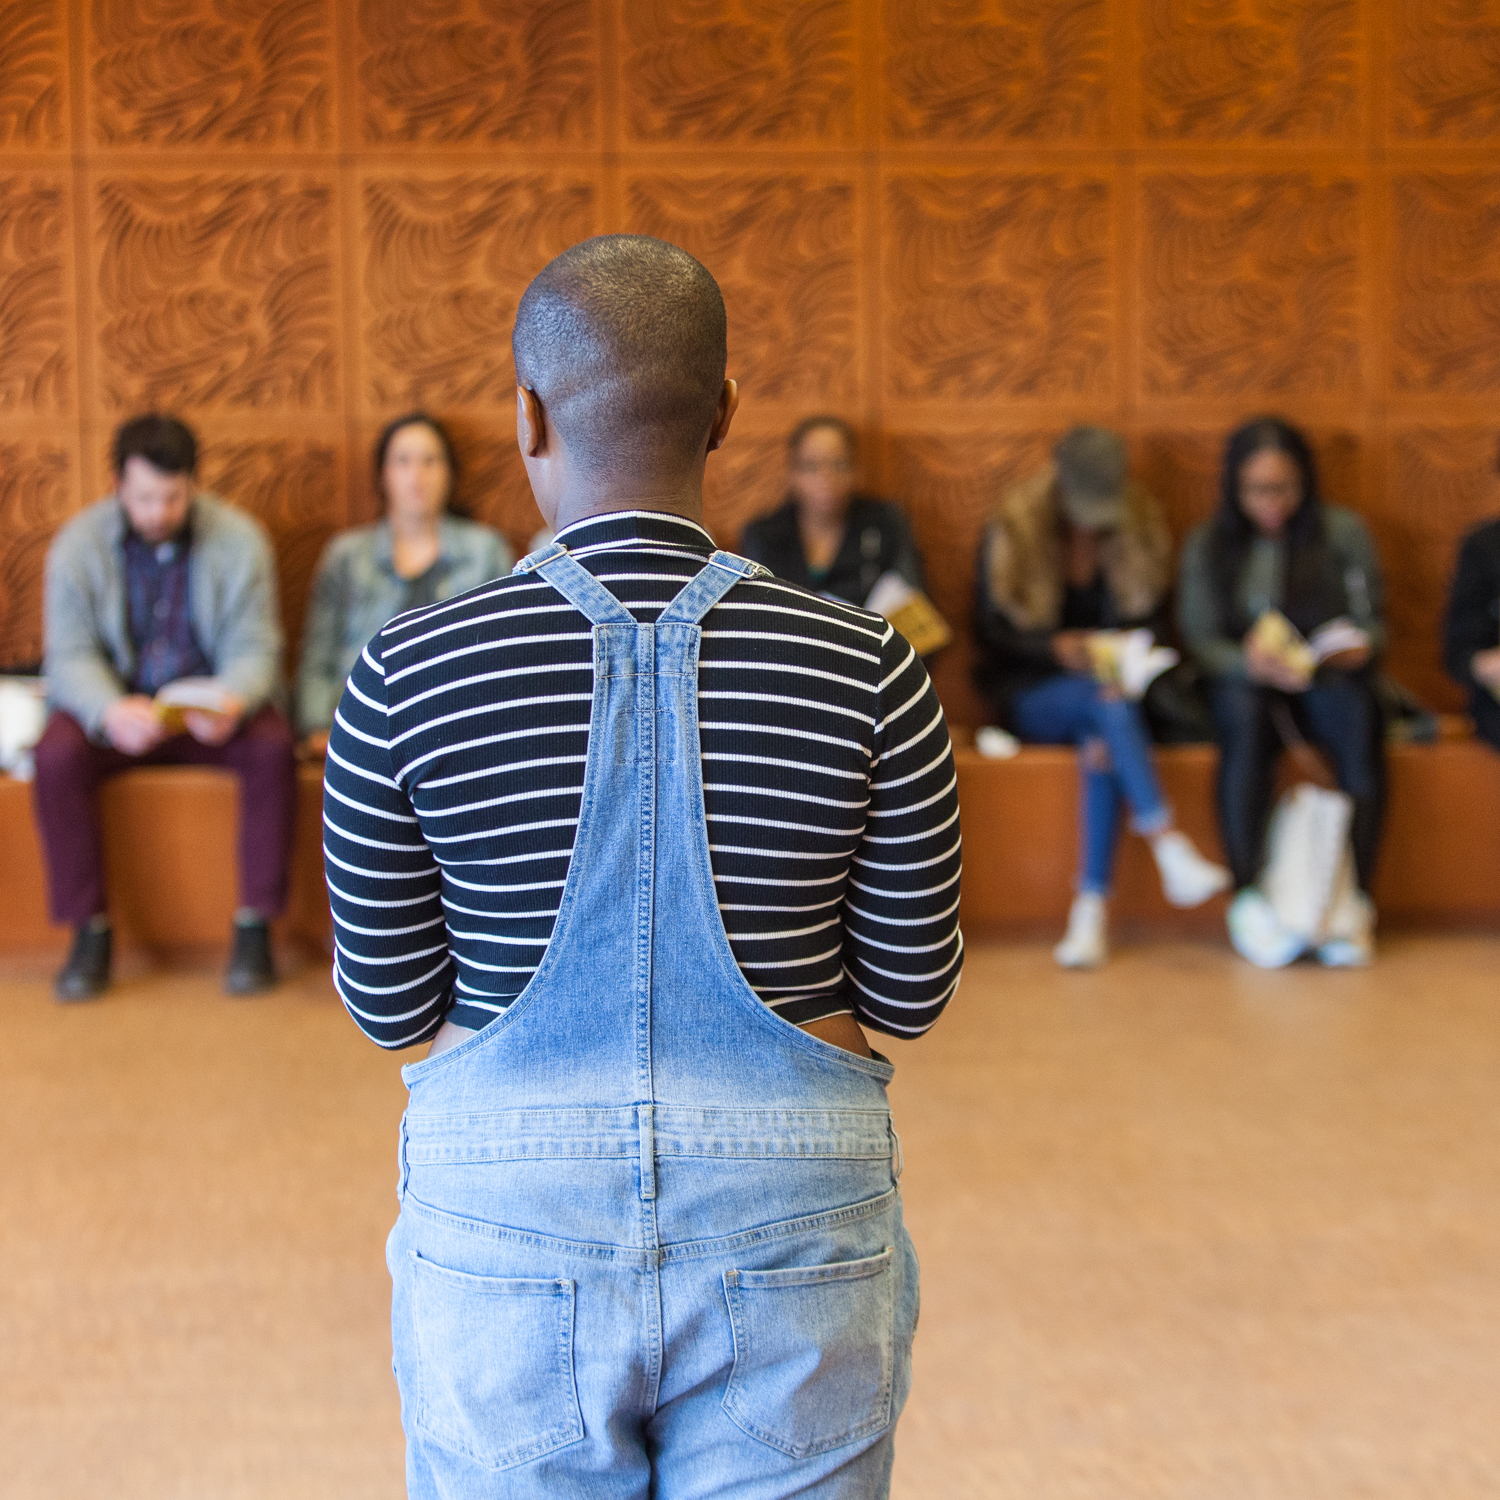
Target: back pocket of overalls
{"x":813,"y":1353}
{"x":495,"y":1365}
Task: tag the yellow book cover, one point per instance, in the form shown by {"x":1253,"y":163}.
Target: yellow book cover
{"x":189,"y":695}
{"x":911,"y":612}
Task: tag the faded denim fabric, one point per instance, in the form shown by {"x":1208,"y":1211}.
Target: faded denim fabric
{"x":356,"y":590}
{"x":650,"y":1239}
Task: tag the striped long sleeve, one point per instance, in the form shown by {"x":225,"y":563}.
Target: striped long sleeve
{"x":455,"y":775}
{"x":392,"y":965}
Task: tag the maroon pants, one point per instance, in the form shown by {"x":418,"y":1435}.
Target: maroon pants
{"x":70,"y":766}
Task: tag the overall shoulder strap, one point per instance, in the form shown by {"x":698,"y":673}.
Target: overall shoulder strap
{"x":700,"y":594}
{"x":576,"y":584}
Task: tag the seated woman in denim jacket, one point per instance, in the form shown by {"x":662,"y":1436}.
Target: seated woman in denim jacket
{"x":1076,"y":548}
{"x":419,"y":553}
{"x":1274,"y":545}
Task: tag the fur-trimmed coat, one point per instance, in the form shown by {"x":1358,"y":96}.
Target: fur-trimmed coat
{"x":1020,"y":588}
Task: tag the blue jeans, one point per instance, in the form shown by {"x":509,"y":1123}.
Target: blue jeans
{"x":1116,"y":765}
{"x":650,"y":1240}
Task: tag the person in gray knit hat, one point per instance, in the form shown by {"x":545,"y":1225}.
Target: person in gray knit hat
{"x":1075,"y":550}
{"x":1092,"y":469}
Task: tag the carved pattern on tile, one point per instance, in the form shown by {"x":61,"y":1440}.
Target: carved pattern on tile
{"x":33,"y":61}
{"x":1257,"y":69}
{"x":1446,"y":334}
{"x":35,"y":336}
{"x":36,"y":497}
{"x":1024,"y":70}
{"x":1441,"y":482}
{"x":1445,"y":60}
{"x":949,"y":484}
{"x":215,"y":291}
{"x":212,"y":73}
{"x":477,"y":72}
{"x":291,"y":485}
{"x":445,"y":262}
{"x":998,"y":285}
{"x":1250,"y":285}
{"x":781,"y":246}
{"x":731,"y":70}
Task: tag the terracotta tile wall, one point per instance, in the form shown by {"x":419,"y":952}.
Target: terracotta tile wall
{"x":963,"y":223}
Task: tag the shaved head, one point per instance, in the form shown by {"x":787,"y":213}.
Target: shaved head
{"x":623,"y":341}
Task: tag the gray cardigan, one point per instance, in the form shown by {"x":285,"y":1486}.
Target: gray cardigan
{"x":231,"y":598}
{"x":356,"y":590}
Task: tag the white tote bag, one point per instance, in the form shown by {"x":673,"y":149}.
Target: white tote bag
{"x":1308,"y":863}
{"x":1308,"y":876}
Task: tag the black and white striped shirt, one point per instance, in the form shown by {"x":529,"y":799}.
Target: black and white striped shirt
{"x":455,"y":773}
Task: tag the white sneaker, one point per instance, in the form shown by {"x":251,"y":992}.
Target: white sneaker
{"x":1257,"y":933}
{"x":1085,"y":944}
{"x":1350,"y":943}
{"x":1186,"y":877}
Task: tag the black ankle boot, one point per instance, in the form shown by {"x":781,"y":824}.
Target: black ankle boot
{"x":85,"y":976}
{"x":250,"y":968}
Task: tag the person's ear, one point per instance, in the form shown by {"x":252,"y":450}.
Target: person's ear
{"x":531,"y":423}
{"x":729,"y":403}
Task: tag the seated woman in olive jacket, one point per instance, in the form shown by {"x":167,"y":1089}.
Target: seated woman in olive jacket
{"x":418,"y":554}
{"x":827,"y":536}
{"x":1274,"y":544}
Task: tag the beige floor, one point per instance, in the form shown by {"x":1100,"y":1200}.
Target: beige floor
{"x":1188,"y":1232}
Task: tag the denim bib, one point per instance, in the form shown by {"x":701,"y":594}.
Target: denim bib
{"x":650,"y":1238}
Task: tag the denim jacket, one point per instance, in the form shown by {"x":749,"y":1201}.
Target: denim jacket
{"x":356,"y":590}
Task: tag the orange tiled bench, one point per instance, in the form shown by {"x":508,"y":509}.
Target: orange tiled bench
{"x":169,"y":859}
{"x":1439,"y":863}
{"x":170,"y":840}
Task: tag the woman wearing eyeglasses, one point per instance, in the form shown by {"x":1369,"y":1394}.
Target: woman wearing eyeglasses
{"x":828,"y":536}
{"x":1274,"y":555}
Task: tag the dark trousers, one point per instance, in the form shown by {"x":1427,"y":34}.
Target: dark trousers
{"x":1486,"y":711}
{"x":1339,"y":714}
{"x":70,"y":766}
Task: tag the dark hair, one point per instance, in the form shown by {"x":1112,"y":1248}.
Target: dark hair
{"x":164,"y":442}
{"x":1308,"y":600}
{"x":623,"y":339}
{"x":445,"y":440}
{"x":812,"y":424}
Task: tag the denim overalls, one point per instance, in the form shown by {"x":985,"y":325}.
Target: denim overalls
{"x":650,"y":1239}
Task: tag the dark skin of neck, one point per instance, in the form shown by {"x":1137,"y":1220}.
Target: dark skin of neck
{"x":565,"y":492}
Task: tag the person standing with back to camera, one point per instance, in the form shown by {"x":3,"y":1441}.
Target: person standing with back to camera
{"x":641,"y":836}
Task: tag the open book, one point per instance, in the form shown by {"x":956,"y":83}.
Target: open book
{"x":911,"y":612}
{"x":1128,"y":661}
{"x":190,"y":694}
{"x":1274,"y":634}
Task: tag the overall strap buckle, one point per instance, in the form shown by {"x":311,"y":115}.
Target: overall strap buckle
{"x":533,"y":560}
{"x":557,"y":566}
{"x":703,"y":591}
